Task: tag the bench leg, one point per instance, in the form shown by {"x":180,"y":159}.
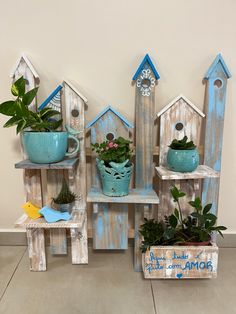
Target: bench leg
{"x":36,"y":248}
{"x":79,"y":244}
{"x":58,"y":242}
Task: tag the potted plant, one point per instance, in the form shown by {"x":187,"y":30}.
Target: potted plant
{"x":42,"y":141}
{"x":182,"y":155}
{"x":114,"y":166}
{"x":65,"y":199}
{"x":178,"y":246}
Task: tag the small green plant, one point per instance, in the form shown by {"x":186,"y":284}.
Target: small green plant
{"x":182,"y":144}
{"x":176,"y":229}
{"x":117,"y":150}
{"x":65,"y":196}
{"x":22,"y":116}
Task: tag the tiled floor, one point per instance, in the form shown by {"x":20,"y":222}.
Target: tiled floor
{"x":109,"y":285}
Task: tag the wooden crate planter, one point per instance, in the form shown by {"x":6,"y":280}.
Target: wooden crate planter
{"x":180,"y":262}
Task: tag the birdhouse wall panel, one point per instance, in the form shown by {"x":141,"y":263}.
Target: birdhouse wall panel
{"x":179,"y":113}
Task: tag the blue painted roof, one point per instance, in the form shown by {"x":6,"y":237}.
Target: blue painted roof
{"x":50,"y":97}
{"x":149,"y":61}
{"x":109,"y":108}
{"x":218,"y":59}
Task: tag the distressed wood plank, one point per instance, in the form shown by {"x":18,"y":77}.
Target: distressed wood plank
{"x":201,"y":172}
{"x":64,"y":164}
{"x":79,"y":243}
{"x":36,"y":249}
{"x":216,"y":87}
{"x":111,"y":220}
{"x":180,"y":262}
{"x":135,"y":196}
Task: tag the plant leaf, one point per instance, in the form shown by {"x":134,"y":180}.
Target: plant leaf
{"x":18,"y":88}
{"x":21,"y":125}
{"x":29,"y":96}
{"x":12,"y":121}
{"x":8,"y":108}
{"x":207,"y":208}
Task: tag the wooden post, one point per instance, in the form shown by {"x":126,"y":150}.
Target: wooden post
{"x":145,"y":77}
{"x":216,"y":86}
{"x":36,"y":248}
{"x":110,"y":221}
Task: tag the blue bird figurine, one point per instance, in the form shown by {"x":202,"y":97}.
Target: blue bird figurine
{"x":52,"y":215}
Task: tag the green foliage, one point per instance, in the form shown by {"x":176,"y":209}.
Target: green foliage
{"x":65,"y":196}
{"x":22,"y":116}
{"x":198,"y":226}
{"x":182,"y":144}
{"x":117,"y":150}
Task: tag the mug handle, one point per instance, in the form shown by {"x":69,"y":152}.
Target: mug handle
{"x":77,"y":146}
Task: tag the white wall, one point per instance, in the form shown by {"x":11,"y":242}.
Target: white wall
{"x":99,"y":44}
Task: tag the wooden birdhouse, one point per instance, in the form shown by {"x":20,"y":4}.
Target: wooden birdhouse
{"x":110,"y":219}
{"x":25,"y":68}
{"x":177,"y":119}
{"x":216,"y":86}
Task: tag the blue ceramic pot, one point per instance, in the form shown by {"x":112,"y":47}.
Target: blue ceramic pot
{"x":47,"y":147}
{"x":182,"y":160}
{"x":116,"y":178}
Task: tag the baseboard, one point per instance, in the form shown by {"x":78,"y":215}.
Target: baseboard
{"x":10,"y":237}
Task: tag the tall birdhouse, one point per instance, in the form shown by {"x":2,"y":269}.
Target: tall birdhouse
{"x":178,"y":118}
{"x":216,"y":86}
{"x":110,"y":220}
{"x":25,"y":68}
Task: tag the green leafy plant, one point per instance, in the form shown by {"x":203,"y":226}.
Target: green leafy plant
{"x":176,"y":229}
{"x":65,"y":196}
{"x":22,"y":116}
{"x":117,"y":150}
{"x":182,"y":144}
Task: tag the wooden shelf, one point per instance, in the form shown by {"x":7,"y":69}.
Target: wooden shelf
{"x":200,"y":173}
{"x":64,"y":164}
{"x":76,"y":222}
{"x":135,"y":196}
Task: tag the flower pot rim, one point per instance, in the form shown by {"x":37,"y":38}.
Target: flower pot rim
{"x":49,"y":132}
{"x":183,"y":150}
{"x":212,"y":244}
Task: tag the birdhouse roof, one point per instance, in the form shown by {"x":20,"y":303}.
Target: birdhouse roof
{"x":168,"y":106}
{"x":50,"y":97}
{"x":148,"y":60}
{"x":75,"y":89}
{"x":109,"y":108}
{"x":218,"y":59}
{"x":29,"y":64}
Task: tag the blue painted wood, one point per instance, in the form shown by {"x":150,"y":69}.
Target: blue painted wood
{"x":216,"y":85}
{"x":148,"y":60}
{"x":109,"y":108}
{"x":110,"y":221}
{"x":50,"y":97}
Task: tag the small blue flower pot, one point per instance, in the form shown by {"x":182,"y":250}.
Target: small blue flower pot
{"x":116,"y":178}
{"x":47,"y":147}
{"x":182,"y":160}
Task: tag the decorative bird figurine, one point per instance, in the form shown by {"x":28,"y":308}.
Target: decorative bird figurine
{"x":52,"y":215}
{"x":118,"y":166}
{"x":71,"y":130}
{"x":31,"y":210}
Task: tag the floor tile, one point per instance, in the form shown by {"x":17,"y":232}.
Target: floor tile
{"x":205,"y":296}
{"x":107,"y":285}
{"x":9,"y":258}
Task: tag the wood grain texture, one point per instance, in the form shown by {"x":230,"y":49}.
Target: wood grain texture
{"x":64,"y":164}
{"x":36,"y":249}
{"x":180,"y":111}
{"x":215,"y":108}
{"x":144,"y":143}
{"x":111,"y":221}
{"x":201,"y":172}
{"x":180,"y":262}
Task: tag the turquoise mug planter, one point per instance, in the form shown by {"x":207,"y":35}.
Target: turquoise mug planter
{"x":48,"y":147}
{"x":116,"y":178}
{"x":182,"y":160}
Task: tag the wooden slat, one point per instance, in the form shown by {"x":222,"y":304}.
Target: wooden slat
{"x":201,"y":172}
{"x":36,"y":249}
{"x":79,"y":243}
{"x":180,"y":262}
{"x":135,"y":196}
{"x":215,"y":108}
{"x":64,"y":164}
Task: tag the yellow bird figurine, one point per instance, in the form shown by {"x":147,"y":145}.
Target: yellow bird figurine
{"x":31,"y":210}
